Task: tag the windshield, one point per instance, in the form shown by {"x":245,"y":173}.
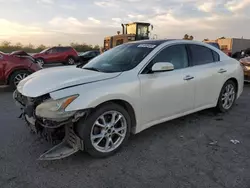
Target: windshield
{"x":121,"y":58}
{"x":143,"y":30}
{"x":85,"y":53}
{"x":44,"y":50}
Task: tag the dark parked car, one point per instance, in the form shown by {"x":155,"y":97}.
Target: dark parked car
{"x":65,"y":55}
{"x":86,"y":56}
{"x":16,"y":66}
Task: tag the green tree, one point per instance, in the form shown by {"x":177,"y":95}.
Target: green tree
{"x":7,"y":47}
{"x":41,"y":47}
{"x":6,"y":44}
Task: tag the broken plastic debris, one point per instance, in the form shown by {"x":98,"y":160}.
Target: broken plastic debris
{"x":235,"y":141}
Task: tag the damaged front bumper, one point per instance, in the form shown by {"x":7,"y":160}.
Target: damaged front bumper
{"x":70,"y":145}
{"x":60,"y":132}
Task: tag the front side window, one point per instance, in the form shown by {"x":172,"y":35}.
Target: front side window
{"x":177,"y":55}
{"x":52,"y":50}
{"x":121,"y":58}
{"x":61,"y":49}
{"x":200,"y":54}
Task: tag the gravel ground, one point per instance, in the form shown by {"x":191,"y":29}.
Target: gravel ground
{"x":193,"y":151}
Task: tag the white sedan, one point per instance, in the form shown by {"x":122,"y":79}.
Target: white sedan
{"x":126,"y":90}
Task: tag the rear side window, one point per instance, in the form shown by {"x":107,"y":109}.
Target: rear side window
{"x":61,"y":49}
{"x":201,"y":55}
{"x":68,"y":48}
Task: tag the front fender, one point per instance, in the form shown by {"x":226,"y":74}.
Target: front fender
{"x":91,"y":95}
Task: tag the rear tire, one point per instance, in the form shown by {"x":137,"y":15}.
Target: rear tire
{"x":17,"y":76}
{"x":105,"y":139}
{"x":70,"y":61}
{"x":227,"y":97}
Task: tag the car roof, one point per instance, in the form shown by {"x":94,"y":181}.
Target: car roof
{"x":153,"y":41}
{"x":162,"y":41}
{"x":62,"y":47}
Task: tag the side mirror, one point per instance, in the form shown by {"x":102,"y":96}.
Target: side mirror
{"x":162,"y":66}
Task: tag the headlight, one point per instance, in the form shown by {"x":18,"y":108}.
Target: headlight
{"x":55,"y":109}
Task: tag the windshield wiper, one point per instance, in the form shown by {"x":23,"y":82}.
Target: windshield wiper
{"x":92,"y":68}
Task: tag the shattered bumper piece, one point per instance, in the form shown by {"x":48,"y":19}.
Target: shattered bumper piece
{"x":70,"y":145}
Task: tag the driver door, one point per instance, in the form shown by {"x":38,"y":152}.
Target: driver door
{"x":170,"y":93}
{"x":52,"y":55}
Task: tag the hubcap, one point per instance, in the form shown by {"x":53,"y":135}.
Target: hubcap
{"x":228,"y":96}
{"x":19,"y":77}
{"x":108,"y":131}
{"x":71,"y":61}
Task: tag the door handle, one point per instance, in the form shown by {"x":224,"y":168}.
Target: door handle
{"x":188,"y":77}
{"x":222,"y":71}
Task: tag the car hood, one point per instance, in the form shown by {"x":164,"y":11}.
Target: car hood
{"x":19,"y":53}
{"x":51,"y":79}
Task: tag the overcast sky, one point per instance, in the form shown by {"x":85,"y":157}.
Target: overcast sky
{"x":53,"y":22}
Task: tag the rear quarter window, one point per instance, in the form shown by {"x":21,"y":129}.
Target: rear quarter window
{"x":216,"y":56}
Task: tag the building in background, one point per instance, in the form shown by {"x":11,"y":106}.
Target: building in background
{"x":232,"y":46}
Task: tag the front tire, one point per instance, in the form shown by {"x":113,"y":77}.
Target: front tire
{"x":17,"y":76}
{"x":227,"y":96}
{"x":105,"y":130}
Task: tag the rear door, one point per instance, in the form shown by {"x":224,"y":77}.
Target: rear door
{"x":52,"y":55}
{"x":208,"y":72}
{"x":58,"y":54}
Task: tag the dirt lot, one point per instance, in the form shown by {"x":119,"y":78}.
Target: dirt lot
{"x":194,"y":151}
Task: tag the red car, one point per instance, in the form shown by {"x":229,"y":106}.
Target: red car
{"x":65,"y":55}
{"x":16,"y":66}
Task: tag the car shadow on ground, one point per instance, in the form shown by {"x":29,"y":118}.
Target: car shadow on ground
{"x":191,"y":150}
{"x":167,"y":132}
{"x":6,"y":89}
{"x":185,"y":129}
{"x":204,"y":128}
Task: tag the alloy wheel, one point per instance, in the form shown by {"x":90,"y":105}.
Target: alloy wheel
{"x":228,"y":96}
{"x":19,"y":77}
{"x":71,"y":61}
{"x":108,"y":131}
